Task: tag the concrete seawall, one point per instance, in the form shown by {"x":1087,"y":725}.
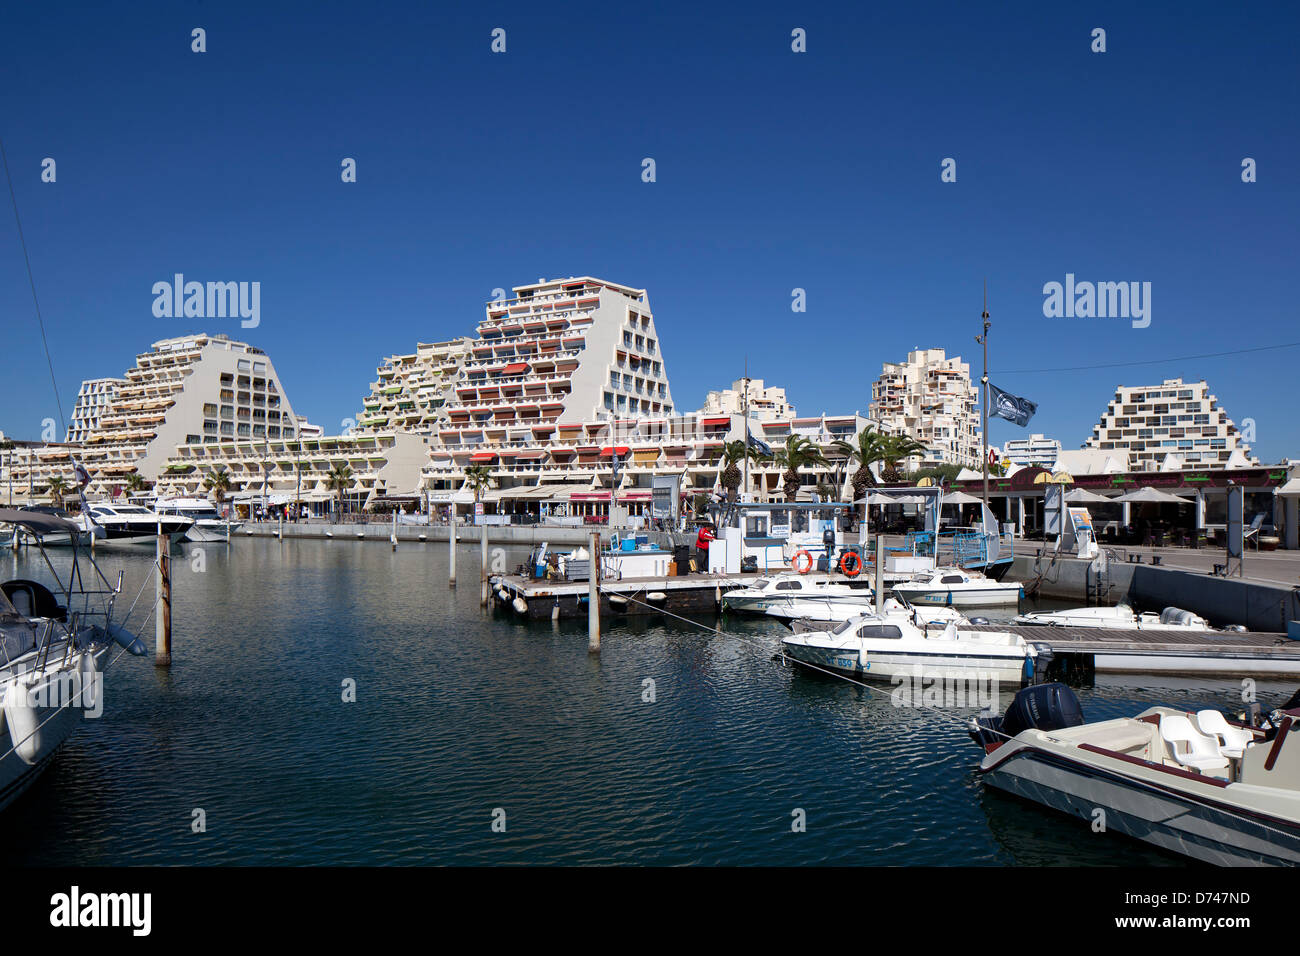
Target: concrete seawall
{"x":1222,"y":601}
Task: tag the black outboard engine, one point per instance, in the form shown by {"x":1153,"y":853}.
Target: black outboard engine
{"x":1041,"y":707}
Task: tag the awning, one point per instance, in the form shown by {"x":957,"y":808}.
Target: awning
{"x":1290,"y":490}
{"x":610,"y":450}
{"x":707,"y":422}
{"x":514,"y":368}
{"x":482,"y":456}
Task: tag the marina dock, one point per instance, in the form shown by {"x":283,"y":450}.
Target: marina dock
{"x":1200,"y":653}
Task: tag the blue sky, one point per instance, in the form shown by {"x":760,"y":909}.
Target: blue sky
{"x":775,"y":170}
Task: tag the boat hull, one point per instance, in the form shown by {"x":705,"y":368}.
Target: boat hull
{"x":1202,"y":829}
{"x":962,"y":597}
{"x":888,"y":664}
{"x":215,"y":531}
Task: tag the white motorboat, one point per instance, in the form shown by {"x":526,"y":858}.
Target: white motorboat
{"x":1121,"y":616}
{"x":784,"y":589}
{"x":55,"y":657}
{"x":891,"y":645}
{"x":208,"y":523}
{"x":811,"y":610}
{"x":956,"y":587}
{"x":1197,"y":784}
{"x":133,"y":524}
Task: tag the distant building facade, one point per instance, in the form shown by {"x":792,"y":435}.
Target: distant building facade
{"x":930,"y":399}
{"x":751,"y":396}
{"x":1034,"y":450}
{"x":1151,"y":422}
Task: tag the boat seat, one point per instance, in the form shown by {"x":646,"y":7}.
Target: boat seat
{"x":1233,"y":740}
{"x":1197,"y":751}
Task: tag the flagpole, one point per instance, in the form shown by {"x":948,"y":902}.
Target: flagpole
{"x":984,"y":432}
{"x":744,"y":406}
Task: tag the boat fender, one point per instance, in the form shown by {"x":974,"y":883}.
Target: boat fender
{"x":520,"y":605}
{"x":23,"y":718}
{"x":127,"y":640}
{"x":88,"y":691}
{"x":657,"y":596}
{"x":617,"y":600}
{"x":850,"y":564}
{"x":803,"y":567}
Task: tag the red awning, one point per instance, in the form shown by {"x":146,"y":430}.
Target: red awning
{"x":514,"y":368}
{"x":482,"y":456}
{"x":715,"y":421}
{"x":609,"y":450}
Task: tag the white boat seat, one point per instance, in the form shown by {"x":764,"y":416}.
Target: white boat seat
{"x":1233,"y":740}
{"x":1197,"y":750}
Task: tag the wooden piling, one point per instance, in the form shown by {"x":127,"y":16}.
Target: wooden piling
{"x":451,"y":550}
{"x":880,"y":572}
{"x":162,"y":656}
{"x":483,"y":562}
{"x":593,"y":597}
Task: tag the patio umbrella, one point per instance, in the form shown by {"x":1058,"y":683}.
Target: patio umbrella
{"x":1149,"y":495}
{"x":961,"y":498}
{"x":1082,"y":496}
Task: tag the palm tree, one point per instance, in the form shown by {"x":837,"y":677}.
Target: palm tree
{"x":734,"y":453}
{"x":894,"y":450}
{"x":339,"y":480}
{"x":796,"y":453}
{"x":217,"y":483}
{"x":134,"y":483}
{"x":57,"y":489}
{"x":479,"y":478}
{"x":866,"y":451}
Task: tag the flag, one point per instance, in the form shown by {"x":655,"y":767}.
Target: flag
{"x":1011,"y":407}
{"x":762,"y":447}
{"x":83,"y":476}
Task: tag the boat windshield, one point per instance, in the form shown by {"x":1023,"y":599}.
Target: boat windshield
{"x":845,"y":625}
{"x":132,"y":510}
{"x":760,"y":584}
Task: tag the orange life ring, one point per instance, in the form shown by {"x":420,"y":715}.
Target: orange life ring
{"x":794,"y":562}
{"x":844,"y":564}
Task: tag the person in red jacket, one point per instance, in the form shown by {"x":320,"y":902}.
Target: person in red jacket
{"x":702,"y":546}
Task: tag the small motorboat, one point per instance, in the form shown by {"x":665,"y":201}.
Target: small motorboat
{"x":1221,"y":791}
{"x":784,"y":589}
{"x":75,"y":535}
{"x":1121,"y":616}
{"x":889,"y":645}
{"x":956,"y":587}
{"x":208,"y":523}
{"x":807,"y":612}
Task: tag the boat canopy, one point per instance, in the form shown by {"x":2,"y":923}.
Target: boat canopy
{"x":37,"y":522}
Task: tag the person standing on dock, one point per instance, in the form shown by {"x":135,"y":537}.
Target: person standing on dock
{"x":702,"y":540}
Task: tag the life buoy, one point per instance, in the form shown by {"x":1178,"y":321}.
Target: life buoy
{"x":850,"y":564}
{"x":807,"y":566}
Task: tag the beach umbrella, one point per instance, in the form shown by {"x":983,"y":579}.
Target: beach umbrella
{"x":961,"y":498}
{"x":1082,"y":496}
{"x":1149,"y":495}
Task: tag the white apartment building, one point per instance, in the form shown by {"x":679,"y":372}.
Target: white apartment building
{"x":378,"y":465}
{"x":187,"y":390}
{"x":761,"y":402}
{"x":28,"y":467}
{"x":930,"y":398}
{"x":412,"y":389}
{"x":1034,"y":450}
{"x":94,"y":398}
{"x":1151,"y":422}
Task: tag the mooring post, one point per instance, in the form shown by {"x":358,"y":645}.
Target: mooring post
{"x":483,"y":560}
{"x":451,"y":548}
{"x":880,"y":571}
{"x":280,"y":534}
{"x":593,"y":597}
{"x":162,"y":656}
{"x":393,"y":537}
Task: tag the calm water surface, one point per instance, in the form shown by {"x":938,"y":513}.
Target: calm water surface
{"x":459,"y":713}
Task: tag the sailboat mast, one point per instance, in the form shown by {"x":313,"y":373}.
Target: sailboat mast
{"x":984,"y":402}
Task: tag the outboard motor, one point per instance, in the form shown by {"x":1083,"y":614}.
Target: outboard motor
{"x":1176,"y":615}
{"x":1041,"y":707}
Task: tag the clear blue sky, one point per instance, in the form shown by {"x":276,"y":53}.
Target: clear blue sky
{"x":775,"y":170}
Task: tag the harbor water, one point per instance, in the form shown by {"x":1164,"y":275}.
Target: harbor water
{"x":463,"y":720}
